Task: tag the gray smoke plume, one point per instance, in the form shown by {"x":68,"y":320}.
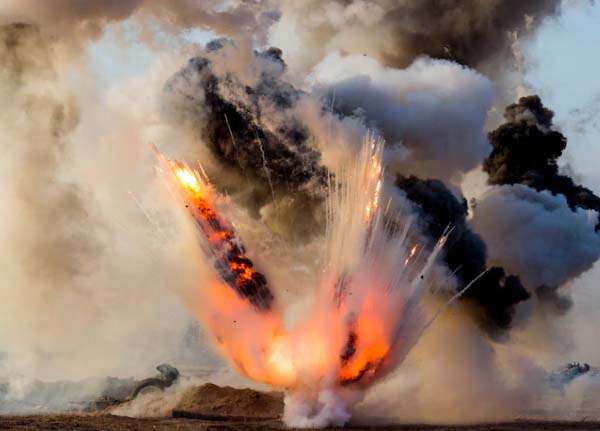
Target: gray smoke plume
{"x":536,"y":202}
{"x":537,"y":235}
{"x":470,"y":32}
{"x":525,"y":150}
{"x":431,"y":114}
{"x":53,"y":208}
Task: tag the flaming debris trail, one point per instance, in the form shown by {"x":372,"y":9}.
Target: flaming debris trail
{"x":231,"y":262}
{"x":368,"y":313}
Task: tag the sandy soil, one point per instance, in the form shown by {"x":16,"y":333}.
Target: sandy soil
{"x":83,"y":422}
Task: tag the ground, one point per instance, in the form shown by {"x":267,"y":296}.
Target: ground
{"x":83,"y":422}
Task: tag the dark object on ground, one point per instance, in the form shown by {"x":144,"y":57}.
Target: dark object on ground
{"x":562,"y":377}
{"x":211,"y":402}
{"x":168,"y":376}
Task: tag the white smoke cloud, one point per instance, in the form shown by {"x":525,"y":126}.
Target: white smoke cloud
{"x":432,"y":114}
{"x":97,"y":263}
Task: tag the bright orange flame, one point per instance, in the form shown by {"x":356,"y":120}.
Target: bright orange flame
{"x":372,"y":345}
{"x":259,"y":347}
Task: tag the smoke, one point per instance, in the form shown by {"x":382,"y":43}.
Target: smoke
{"x":92,"y":283}
{"x":431,"y":114}
{"x":75,"y":22}
{"x":273,"y":144}
{"x":495,"y":293}
{"x":525,"y":151}
{"x":235,"y":101}
{"x":104,"y":273}
{"x":533,"y":200}
{"x":561,"y":243}
{"x":470,"y":32}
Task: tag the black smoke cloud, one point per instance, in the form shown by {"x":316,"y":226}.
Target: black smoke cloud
{"x":250,"y":127}
{"x":495,"y":294}
{"x":525,"y":150}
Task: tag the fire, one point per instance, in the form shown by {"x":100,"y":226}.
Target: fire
{"x":187,"y":179}
{"x":371,"y":349}
{"x":350,"y":337}
{"x":234,"y":267}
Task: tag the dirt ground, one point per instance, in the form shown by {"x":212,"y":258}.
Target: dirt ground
{"x":84,"y":422}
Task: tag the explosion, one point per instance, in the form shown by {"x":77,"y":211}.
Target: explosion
{"x":369,"y":310}
{"x":312,"y":258}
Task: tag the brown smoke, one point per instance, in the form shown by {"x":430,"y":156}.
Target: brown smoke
{"x":471,"y":32}
{"x":75,"y":21}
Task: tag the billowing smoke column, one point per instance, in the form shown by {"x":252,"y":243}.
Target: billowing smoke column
{"x":531,"y":199}
{"x":525,"y":151}
{"x":369,"y":308}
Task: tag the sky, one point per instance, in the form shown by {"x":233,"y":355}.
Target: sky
{"x":565,"y":70}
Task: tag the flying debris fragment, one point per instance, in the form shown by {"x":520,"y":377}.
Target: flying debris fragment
{"x":230,"y":259}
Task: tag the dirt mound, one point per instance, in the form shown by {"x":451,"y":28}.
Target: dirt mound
{"x":213,"y":402}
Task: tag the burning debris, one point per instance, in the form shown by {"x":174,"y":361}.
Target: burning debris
{"x":366,"y":337}
{"x":229,"y":255}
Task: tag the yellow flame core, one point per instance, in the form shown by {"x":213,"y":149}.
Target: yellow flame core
{"x":188,"y":179}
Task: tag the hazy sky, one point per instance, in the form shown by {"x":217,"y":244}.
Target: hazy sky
{"x":565,"y":71}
